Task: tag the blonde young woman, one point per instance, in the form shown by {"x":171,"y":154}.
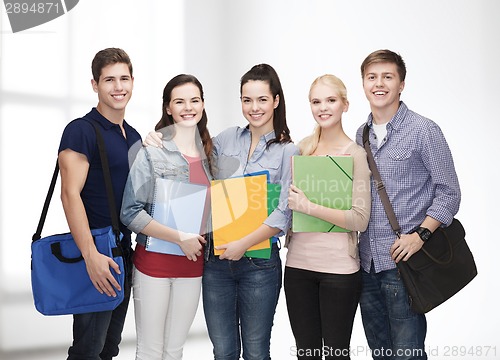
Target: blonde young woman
{"x":322,"y":278}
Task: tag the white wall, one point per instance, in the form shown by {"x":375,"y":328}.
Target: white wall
{"x":451,"y":52}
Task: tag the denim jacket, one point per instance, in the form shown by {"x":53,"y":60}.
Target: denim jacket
{"x":152,"y":163}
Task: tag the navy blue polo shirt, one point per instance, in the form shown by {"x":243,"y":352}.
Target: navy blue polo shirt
{"x":79,"y":135}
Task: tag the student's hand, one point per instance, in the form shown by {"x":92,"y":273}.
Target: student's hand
{"x":98,"y":269}
{"x":191,"y":245}
{"x":233,"y":250}
{"x":404,"y":247}
{"x":298,"y":201}
{"x":153,"y":139}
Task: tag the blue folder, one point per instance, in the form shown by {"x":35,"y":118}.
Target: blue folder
{"x":179,"y":206}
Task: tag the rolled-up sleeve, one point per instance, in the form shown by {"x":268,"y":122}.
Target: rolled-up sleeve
{"x":138,"y":194}
{"x":437,"y":158}
{"x":358,"y":216}
{"x":281,"y":217}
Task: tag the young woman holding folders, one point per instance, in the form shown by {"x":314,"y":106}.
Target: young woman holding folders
{"x":167,"y":287}
{"x":322,"y":278}
{"x":240,"y":293}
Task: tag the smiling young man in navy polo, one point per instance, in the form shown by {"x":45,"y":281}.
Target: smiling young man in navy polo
{"x":83,"y":194}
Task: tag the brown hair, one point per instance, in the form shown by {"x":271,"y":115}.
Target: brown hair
{"x":385,"y":56}
{"x":107,"y":57}
{"x":167,"y":119}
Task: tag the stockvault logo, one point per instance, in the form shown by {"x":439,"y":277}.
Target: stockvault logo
{"x":26,"y":14}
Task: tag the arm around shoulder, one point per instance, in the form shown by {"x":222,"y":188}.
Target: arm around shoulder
{"x":138,"y":192}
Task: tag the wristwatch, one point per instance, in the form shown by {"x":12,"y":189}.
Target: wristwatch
{"x":424,"y":233}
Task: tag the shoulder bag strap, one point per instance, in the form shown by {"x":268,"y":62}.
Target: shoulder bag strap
{"x":379,"y":184}
{"x":107,"y":181}
{"x":43,"y":216}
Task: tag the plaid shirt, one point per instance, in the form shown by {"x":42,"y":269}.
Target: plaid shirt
{"x":416,"y":166}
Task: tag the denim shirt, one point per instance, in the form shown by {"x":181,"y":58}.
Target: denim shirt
{"x":152,"y":163}
{"x":231,"y":149}
{"x":416,"y":166}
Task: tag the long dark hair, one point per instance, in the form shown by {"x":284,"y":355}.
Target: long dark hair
{"x":266,"y":73}
{"x":167,"y":119}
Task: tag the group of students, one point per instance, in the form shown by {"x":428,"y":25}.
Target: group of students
{"x":326,"y":274}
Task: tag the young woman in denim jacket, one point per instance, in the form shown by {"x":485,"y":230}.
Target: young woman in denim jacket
{"x":166,"y":288}
{"x":240,"y":293}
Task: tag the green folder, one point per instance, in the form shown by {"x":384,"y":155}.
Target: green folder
{"x":325,"y":180}
{"x":273,"y":198}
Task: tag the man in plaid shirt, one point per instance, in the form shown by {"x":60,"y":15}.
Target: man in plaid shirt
{"x":416,"y":167}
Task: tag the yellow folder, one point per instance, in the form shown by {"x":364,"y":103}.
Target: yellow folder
{"x":239,"y":207}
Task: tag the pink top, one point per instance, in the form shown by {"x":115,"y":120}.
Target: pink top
{"x":336,"y":253}
{"x":321,"y":252}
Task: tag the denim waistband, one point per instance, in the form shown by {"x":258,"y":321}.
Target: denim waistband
{"x":209,"y":246}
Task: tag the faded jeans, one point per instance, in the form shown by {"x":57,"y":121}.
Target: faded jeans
{"x":392,"y":329}
{"x":239,"y":300}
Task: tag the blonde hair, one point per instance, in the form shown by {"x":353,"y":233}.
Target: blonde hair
{"x":309,"y":144}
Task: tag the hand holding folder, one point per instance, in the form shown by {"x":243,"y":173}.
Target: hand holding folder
{"x":239,"y":206}
{"x":179,"y":206}
{"x":325,"y":180}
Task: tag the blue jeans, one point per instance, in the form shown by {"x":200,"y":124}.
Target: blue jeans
{"x":392,"y":329}
{"x":96,"y":336}
{"x":239,"y":301}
